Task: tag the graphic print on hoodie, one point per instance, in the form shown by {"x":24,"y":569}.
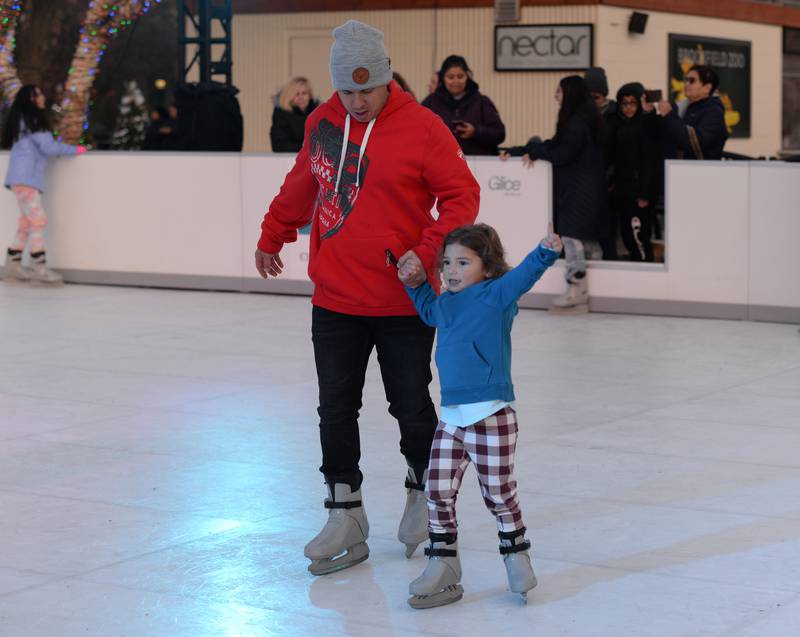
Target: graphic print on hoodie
{"x":414,"y":162}
{"x":325,"y":149}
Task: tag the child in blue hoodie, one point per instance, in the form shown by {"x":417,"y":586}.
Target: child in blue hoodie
{"x":27,"y":133}
{"x":478,"y":423}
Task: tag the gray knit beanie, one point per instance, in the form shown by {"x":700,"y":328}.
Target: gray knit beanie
{"x":358,"y":58}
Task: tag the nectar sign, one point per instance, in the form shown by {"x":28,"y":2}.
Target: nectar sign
{"x":543,"y":47}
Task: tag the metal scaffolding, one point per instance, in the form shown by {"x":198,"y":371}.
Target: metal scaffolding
{"x":200,"y":39}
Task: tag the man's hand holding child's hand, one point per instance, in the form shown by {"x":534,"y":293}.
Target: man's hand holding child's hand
{"x":410,"y":270}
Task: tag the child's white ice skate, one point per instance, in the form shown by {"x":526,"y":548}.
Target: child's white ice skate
{"x":342,"y":542}
{"x":13,"y":270}
{"x":413,"y":529}
{"x":40,"y":274}
{"x":514,"y":549}
{"x":439,"y":583}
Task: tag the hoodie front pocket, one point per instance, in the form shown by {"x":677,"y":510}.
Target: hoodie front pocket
{"x":355,"y":271}
{"x":462,"y":365}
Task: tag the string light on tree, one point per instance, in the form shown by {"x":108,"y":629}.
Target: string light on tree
{"x":103,"y":21}
{"x":10,"y":12}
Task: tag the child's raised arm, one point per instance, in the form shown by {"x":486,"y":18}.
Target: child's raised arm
{"x":513,"y":284}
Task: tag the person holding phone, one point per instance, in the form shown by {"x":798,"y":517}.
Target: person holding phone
{"x":470,"y":115}
{"x":695,"y":128}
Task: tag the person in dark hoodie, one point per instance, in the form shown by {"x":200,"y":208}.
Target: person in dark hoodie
{"x":373,"y":165}
{"x":634,"y":186}
{"x":694,"y":129}
{"x":579,"y":185}
{"x":471,"y":115}
{"x":295,"y":103}
{"x":597,"y":82}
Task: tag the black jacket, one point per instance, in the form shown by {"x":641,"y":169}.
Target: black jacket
{"x":156,"y":137}
{"x":700,"y":134}
{"x":635,"y":151}
{"x":288,"y":128}
{"x":474,"y":108}
{"x":579,"y":177}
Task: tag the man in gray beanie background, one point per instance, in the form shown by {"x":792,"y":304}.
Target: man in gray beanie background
{"x":372,"y":166}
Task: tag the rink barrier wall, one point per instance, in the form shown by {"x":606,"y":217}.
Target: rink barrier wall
{"x":191,"y":221}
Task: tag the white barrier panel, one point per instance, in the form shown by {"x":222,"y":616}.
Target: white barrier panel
{"x":774,"y":232}
{"x":262,"y":177}
{"x":192,"y":220}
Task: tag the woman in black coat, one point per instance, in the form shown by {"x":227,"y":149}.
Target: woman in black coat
{"x":295,"y":103}
{"x":471,"y":116}
{"x":579,"y":184}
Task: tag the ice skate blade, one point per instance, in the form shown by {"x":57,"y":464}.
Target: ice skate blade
{"x":354,"y":555}
{"x":448,"y":595}
{"x":583,"y":308}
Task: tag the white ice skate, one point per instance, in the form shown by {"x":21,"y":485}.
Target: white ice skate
{"x":342,"y":542}
{"x":413,"y":529}
{"x":514,"y":549}
{"x":439,"y":583}
{"x":14,"y":272}
{"x":575,"y":300}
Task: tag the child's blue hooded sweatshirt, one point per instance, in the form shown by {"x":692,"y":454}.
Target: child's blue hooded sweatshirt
{"x":473,"y":351}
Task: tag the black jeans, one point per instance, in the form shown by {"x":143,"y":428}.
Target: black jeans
{"x":342,"y":347}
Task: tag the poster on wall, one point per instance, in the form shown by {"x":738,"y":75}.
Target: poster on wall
{"x":730,"y":59}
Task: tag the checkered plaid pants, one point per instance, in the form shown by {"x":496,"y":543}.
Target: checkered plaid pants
{"x":490,"y":445}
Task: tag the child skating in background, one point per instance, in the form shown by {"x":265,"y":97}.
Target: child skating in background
{"x":473,"y":318}
{"x":28,"y":135}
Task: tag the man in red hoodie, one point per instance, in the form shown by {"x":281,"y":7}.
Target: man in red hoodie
{"x":372,"y":165}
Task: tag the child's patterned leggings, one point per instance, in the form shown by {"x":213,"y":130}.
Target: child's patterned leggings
{"x":32,"y":219}
{"x":490,"y":444}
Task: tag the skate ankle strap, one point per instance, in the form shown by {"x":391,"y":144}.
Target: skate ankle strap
{"x":515,"y":548}
{"x":512,"y":535}
{"x":414,"y":485}
{"x":331,"y":504}
{"x":432,"y":552}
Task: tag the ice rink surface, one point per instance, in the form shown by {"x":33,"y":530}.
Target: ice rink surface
{"x":158,"y":477}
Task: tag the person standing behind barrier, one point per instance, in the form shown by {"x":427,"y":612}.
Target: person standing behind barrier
{"x":694,"y":129}
{"x":373,"y":165}
{"x":471,"y":115}
{"x":579,"y":185}
{"x":635,"y":175}
{"x":597,"y":82}
{"x":295,"y":103}
{"x":27,"y":133}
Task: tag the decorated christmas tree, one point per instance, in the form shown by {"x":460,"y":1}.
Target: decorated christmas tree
{"x":132,"y":119}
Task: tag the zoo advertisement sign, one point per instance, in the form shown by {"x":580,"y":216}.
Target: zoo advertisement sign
{"x":543,"y":47}
{"x":730,"y":59}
